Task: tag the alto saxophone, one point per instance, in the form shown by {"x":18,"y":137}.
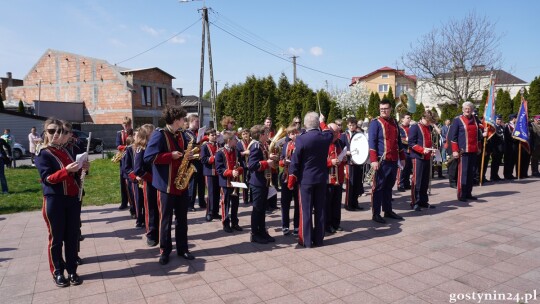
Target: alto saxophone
{"x":186,"y":169}
{"x":118,"y":156}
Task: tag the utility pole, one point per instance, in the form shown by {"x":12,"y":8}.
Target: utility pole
{"x":206,"y":34}
{"x":294,"y":67}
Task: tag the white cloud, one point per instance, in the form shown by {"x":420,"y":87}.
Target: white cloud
{"x":316,"y":51}
{"x":149,"y":30}
{"x":178,"y":39}
{"x":116,"y":42}
{"x":295,"y":52}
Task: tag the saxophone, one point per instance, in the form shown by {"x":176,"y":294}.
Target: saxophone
{"x":118,"y":156}
{"x":186,"y":169}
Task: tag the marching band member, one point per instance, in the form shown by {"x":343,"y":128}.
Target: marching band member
{"x":465,"y":139}
{"x":126,"y":167}
{"x":242,"y":147}
{"x":165,"y":151}
{"x":229,"y":168}
{"x":336,"y":176}
{"x":288,"y":195}
{"x":308,"y":170}
{"x":404,"y":175}
{"x":354,"y":176}
{"x":61,"y":206}
{"x":143,"y":173}
{"x":208,"y":153}
{"x":121,"y":137}
{"x":421,"y":148}
{"x":196,"y":184}
{"x":259,"y":163}
{"x":510,"y":148}
{"x":385,"y":150}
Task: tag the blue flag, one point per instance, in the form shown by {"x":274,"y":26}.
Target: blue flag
{"x":489,"y":110}
{"x":411,"y":103}
{"x":521,"y":132}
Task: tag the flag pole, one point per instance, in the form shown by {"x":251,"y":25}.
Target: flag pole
{"x":486,"y":130}
{"x":519,"y":161}
{"x":483,"y":157}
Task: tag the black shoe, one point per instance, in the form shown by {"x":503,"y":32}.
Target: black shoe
{"x":74,"y":279}
{"x":351,"y":208}
{"x":417,"y":207}
{"x":209,"y":218}
{"x":462,"y":199}
{"x":285,"y":231}
{"x":255,"y":238}
{"x":377,"y":218}
{"x":496,"y":178}
{"x":427,"y":205}
{"x":392,"y":215}
{"x":359,"y":208}
{"x":139,"y":226}
{"x":164,"y":259}
{"x":536,"y":174}
{"x":191,"y":209}
{"x":133,"y":216}
{"x":452,"y":185}
{"x":474,"y":198}
{"x":330,"y":230}
{"x":227,"y":229}
{"x":151,"y":243}
{"x":268,"y":238}
{"x":122,"y":207}
{"x":295,"y":231}
{"x":203,"y":206}
{"x":407,"y":187}
{"x":216,"y":216}
{"x":442,"y":177}
{"x":338,"y":228}
{"x":237,"y":227}
{"x":187,"y":255}
{"x":79,"y":261}
{"x":60,"y":280}
{"x":81,"y":238}
{"x":401,"y":189}
{"x":510,"y":177}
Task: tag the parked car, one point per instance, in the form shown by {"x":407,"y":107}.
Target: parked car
{"x":18,"y":151}
{"x":96,"y":144}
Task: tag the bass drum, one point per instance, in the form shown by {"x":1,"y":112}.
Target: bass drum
{"x":359,"y":149}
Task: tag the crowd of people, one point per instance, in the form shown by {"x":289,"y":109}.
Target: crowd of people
{"x":164,"y":170}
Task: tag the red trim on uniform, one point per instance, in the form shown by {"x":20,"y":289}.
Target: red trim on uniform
{"x":291,"y":181}
{"x":413,"y":182}
{"x":58,"y":176}
{"x":48,"y":223}
{"x":160,"y":219}
{"x":263,"y":165}
{"x":163,"y":158}
{"x":222,"y":204}
{"x":228,"y":173}
{"x":211,"y":160}
{"x":373,"y":155}
{"x":132,"y":176}
{"x":145,"y":197}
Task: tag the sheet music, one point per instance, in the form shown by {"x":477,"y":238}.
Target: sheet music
{"x":438,"y":157}
{"x":239,"y":185}
{"x":342,"y":154}
{"x":271,"y":192}
{"x":81,"y":158}
{"x":201,"y":134}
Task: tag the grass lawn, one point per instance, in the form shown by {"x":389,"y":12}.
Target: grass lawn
{"x":102,"y":186}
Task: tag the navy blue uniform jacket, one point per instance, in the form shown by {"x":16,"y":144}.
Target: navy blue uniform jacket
{"x":308,"y":163}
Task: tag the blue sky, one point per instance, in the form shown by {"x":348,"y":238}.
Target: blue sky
{"x":344,"y":38}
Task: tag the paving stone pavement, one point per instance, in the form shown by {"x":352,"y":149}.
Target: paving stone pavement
{"x":488,"y":245}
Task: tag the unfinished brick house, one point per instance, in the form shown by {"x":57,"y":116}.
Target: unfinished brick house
{"x":106,"y":93}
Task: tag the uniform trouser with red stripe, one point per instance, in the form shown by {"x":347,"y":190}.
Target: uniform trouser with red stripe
{"x":62,"y":216}
{"x":258,"y":214}
{"x":229,"y":206}
{"x":420,"y":181}
{"x":196,"y":189}
{"x":123,"y":191}
{"x":212,"y":202}
{"x":286,"y":197}
{"x":151,"y":211}
{"x":465,"y":177}
{"x":384,"y":180}
{"x":169,"y":203}
{"x":355,"y":185}
{"x":130,"y":195}
{"x":312,"y":203}
{"x":138,"y":196}
{"x":333,"y":206}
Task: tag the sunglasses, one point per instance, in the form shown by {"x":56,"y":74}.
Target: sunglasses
{"x":296,"y":122}
{"x":53,"y":131}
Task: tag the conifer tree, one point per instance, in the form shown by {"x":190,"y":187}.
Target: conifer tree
{"x":21,"y":107}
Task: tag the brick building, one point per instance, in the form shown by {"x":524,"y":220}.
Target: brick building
{"x":107,"y":92}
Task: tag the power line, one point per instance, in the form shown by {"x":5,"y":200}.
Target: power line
{"x":155,"y":46}
{"x":272,"y":54}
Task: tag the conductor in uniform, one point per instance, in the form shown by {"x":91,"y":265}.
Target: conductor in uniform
{"x":308,"y":169}
{"x":385,"y":151}
{"x":465,"y":137}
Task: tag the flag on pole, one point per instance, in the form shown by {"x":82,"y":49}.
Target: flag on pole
{"x":489,"y":110}
{"x":411,"y":103}
{"x":521,"y":132}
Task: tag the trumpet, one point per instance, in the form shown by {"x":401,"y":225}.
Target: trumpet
{"x":368,"y":177}
{"x":118,"y":156}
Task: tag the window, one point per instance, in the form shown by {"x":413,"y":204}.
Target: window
{"x":384,"y":76}
{"x":161,"y":96}
{"x":401,"y":88}
{"x":146,"y":96}
{"x":383,"y":88}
